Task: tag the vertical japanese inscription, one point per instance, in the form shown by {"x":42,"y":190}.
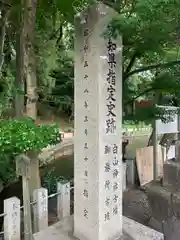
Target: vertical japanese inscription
{"x":86,"y":105}
{"x":111,"y":88}
{"x":116,"y":173}
{"x":14,"y":219}
{"x":111,"y":185}
{"x":111,"y":165}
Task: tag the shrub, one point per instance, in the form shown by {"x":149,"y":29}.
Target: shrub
{"x":51,"y":179}
{"x":21,"y":136}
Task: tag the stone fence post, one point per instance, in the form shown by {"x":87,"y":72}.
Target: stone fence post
{"x":40,"y":209}
{"x":12,"y":219}
{"x":63,"y":200}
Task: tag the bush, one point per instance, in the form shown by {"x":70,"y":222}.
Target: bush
{"x":51,"y":179}
{"x":21,"y":136}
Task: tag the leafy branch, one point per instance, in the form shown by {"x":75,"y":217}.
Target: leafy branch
{"x":151,"y":67}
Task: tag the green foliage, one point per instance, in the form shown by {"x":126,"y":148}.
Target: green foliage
{"x":21,"y":136}
{"x":51,"y":179}
{"x":150,"y":31}
{"x":62,"y":96}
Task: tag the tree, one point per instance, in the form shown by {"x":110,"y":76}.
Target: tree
{"x":149,"y":30}
{"x":30,"y":57}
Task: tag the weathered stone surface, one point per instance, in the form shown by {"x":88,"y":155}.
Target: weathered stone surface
{"x":171,"y":228}
{"x":140,"y":232}
{"x":171,"y":176}
{"x":132,"y":230}
{"x":98,"y":133}
{"x":176,"y":205}
{"x":165,"y":209}
{"x":155,"y":224}
{"x":159,"y":200}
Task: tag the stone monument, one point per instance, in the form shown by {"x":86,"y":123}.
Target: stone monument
{"x":98,"y":140}
{"x":98,"y":134}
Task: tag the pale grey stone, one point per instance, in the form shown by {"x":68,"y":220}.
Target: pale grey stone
{"x":140,"y":232}
{"x":91,"y":101}
{"x":132,"y":230}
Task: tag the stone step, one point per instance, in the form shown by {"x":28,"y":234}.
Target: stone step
{"x":171,"y":176}
{"x":164,"y":205}
{"x":132,"y":230}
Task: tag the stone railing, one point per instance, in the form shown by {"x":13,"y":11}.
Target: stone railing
{"x":13,"y":212}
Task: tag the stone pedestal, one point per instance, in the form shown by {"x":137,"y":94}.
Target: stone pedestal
{"x":132,"y":230}
{"x":164,"y":201}
{"x":171,"y":176}
{"x":98,"y":128}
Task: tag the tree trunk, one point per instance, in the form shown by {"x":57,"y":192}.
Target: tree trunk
{"x":30,"y":57}
{"x":19,"y":81}
{"x":4,"y":17}
{"x":34,"y":181}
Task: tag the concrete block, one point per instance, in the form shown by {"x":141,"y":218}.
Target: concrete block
{"x":159,"y":200}
{"x":171,"y":175}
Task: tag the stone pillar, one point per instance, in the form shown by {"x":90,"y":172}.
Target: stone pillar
{"x":98,"y":128}
{"x":23,"y":169}
{"x":40,"y":208}
{"x":12,"y":219}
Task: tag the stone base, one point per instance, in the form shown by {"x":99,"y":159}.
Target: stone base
{"x":159,"y":200}
{"x":164,"y":202}
{"x":164,"y":205}
{"x":170,"y":227}
{"x":171,"y":176}
{"x":132,"y":230}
